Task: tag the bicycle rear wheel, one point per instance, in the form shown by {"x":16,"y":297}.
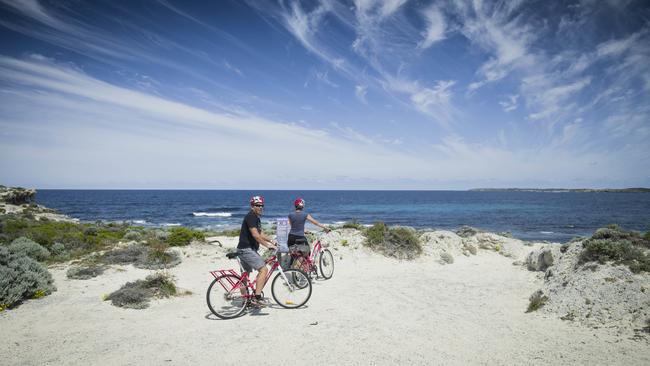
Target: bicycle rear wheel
{"x":294,"y":292}
{"x":225,"y":301}
{"x":326,"y":264}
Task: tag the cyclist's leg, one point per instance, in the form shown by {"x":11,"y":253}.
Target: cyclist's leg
{"x":250,"y":260}
{"x":261,"y":279}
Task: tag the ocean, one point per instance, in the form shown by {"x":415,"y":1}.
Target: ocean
{"x":552,"y":216}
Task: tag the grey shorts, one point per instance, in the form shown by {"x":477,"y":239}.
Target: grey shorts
{"x":250,"y":259}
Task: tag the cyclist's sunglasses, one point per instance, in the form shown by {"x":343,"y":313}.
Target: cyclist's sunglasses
{"x":259,"y":205}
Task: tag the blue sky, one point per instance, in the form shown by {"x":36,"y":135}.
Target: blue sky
{"x":387,"y":94}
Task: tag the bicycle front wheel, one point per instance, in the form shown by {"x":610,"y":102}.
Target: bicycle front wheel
{"x":225,"y":301}
{"x":326,"y":264}
{"x":293,"y":292}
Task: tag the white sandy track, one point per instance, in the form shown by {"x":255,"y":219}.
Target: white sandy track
{"x":374,"y":311}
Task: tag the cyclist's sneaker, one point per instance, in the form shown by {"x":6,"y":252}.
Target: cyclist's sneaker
{"x":259,"y":301}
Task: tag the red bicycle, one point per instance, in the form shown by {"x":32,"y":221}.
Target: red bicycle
{"x":307,"y":263}
{"x":230,"y":293}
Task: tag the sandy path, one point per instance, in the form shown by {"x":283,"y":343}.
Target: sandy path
{"x":373,"y":311}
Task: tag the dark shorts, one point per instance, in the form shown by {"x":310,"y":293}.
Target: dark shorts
{"x":296,"y":239}
{"x":250,"y":259}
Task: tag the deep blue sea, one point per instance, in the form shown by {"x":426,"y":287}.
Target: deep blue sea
{"x":527,"y":215}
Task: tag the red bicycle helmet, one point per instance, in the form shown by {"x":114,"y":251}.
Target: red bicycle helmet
{"x":257,"y":200}
{"x":299,"y":202}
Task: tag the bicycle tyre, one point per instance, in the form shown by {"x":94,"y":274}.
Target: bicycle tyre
{"x":218,"y":299}
{"x":326,"y":264}
{"x":290,"y":295}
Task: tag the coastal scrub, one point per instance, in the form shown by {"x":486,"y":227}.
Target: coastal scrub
{"x":398,"y":242}
{"x":613,"y":244}
{"x":22,"y":277}
{"x":181,"y":236}
{"x":136,"y":295}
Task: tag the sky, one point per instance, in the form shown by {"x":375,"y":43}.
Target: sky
{"x":367,"y":94}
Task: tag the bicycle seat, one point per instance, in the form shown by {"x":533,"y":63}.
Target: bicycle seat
{"x":232,"y":255}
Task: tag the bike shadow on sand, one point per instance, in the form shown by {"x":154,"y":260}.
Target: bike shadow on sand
{"x":254,"y":311}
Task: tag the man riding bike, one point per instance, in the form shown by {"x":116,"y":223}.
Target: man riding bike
{"x":250,"y":239}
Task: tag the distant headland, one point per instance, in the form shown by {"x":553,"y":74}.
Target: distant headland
{"x":613,"y":190}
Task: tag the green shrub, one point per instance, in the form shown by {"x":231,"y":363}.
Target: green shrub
{"x":85,"y":273}
{"x":79,"y":238}
{"x":398,"y":242}
{"x":22,"y":277}
{"x":354,"y":224}
{"x":131,"y":254}
{"x":537,"y":300}
{"x":228,"y":232}
{"x":57,"y":249}
{"x":613,"y":244}
{"x":29,"y":248}
{"x":133,"y":235}
{"x":158,"y":256}
{"x":136,"y":295}
{"x":181,"y":236}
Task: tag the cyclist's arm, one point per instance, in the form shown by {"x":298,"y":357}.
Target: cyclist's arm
{"x":262,"y":239}
{"x":313,"y":221}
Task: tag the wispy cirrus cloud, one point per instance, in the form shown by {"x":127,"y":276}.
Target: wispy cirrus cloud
{"x":436,"y":25}
{"x":90,"y":110}
{"x":510,"y":104}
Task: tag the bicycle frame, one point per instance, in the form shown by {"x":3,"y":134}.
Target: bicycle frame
{"x":229,"y":285}
{"x":318,"y":247}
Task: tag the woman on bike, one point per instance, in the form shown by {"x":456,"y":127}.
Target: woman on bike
{"x":297,"y":222}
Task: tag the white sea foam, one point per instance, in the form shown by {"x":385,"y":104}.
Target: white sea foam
{"x":212,"y":214}
{"x":139,"y":221}
{"x":546,"y":232}
{"x":171,"y":224}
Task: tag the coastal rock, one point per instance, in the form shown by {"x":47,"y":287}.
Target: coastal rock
{"x":506,"y":246}
{"x":342,"y":238}
{"x":541,"y":259}
{"x":16,"y":195}
{"x":441,"y":242}
{"x":19,"y":201}
{"x":596,"y":294}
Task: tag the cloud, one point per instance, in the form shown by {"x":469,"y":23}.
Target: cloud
{"x":510,"y":104}
{"x":552,"y":99}
{"x":498,"y":31}
{"x":81,"y":118}
{"x":360,"y":92}
{"x":435,"y":31}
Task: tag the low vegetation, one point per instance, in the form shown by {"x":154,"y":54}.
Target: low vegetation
{"x":85,"y":272}
{"x":537,"y":300}
{"x":181,"y":236}
{"x":398,"y":242}
{"x":158,"y":256}
{"x":615,"y":245}
{"x":29,"y":248}
{"x":229,"y":232}
{"x":65,"y":240}
{"x":354,"y":224}
{"x":138,"y":294}
{"x":467,"y":231}
{"x":21,"y":278}
{"x":154,"y":255}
